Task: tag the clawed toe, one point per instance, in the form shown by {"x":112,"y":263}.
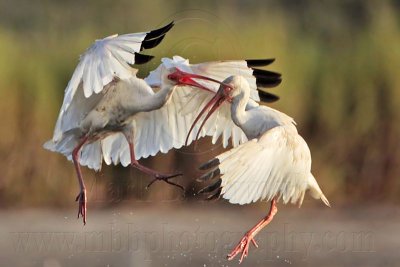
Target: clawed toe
{"x":243,"y":248}
{"x":165,"y":178}
{"x":82,"y":200}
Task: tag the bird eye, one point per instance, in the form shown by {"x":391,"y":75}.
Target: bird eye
{"x":228,"y":89}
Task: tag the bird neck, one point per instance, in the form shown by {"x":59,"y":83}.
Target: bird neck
{"x":238,"y":108}
{"x":159,"y":99}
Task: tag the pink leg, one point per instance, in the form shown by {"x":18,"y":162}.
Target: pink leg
{"x":157,"y":175}
{"x":81,"y":198}
{"x":243,"y":245}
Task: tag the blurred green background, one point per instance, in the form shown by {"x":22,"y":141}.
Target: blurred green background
{"x":339,"y":59}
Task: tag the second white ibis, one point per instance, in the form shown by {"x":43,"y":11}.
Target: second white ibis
{"x":274,"y":164}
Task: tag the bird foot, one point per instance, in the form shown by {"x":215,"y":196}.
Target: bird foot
{"x":243,"y":247}
{"x":82,"y":200}
{"x":165,"y":178}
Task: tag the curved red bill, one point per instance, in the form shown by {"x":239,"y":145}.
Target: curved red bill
{"x":184,"y":78}
{"x":212,"y":106}
{"x":220,"y":97}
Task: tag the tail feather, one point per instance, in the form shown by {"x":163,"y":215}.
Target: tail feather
{"x":65,"y":146}
{"x":91,"y":154}
{"x":316,"y":192}
{"x":325,"y":200}
{"x":49,"y":145}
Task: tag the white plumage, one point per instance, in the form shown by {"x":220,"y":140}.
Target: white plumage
{"x":110,"y":114}
{"x":166,"y":128}
{"x":274,"y":164}
{"x":100,"y":100}
{"x":173,"y":119}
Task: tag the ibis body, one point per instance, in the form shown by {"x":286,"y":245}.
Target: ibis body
{"x":274,"y":164}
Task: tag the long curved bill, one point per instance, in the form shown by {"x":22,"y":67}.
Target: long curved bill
{"x":211,"y":107}
{"x":183,"y":78}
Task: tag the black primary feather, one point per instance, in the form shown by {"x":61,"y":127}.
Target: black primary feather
{"x":267,"y":97}
{"x":211,"y":187}
{"x":265,"y":74}
{"x":154,"y":37}
{"x":266,"y":78}
{"x":265,"y":82}
{"x":151,"y":43}
{"x":209,"y":164}
{"x":259,"y":62}
{"x":215,"y":196}
{"x":209,"y":175}
{"x":142,"y":59}
{"x":158,"y":32}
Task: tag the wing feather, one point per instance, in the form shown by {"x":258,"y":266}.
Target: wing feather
{"x":278,"y":164}
{"x":194,"y":100}
{"x":166,"y":128}
{"x":105,"y":60}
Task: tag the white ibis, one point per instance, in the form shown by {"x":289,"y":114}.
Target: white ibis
{"x":109,"y":113}
{"x":274,"y":164}
{"x":101,"y":98}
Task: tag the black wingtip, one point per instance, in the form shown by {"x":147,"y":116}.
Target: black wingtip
{"x":267,"y":97}
{"x":266,"y":78}
{"x":209,"y":164}
{"x":142,"y":59}
{"x":147,"y":44}
{"x":155,"y":37}
{"x":209,"y":175}
{"x":158,"y":32}
{"x":265,"y":73}
{"x":215,"y":196}
{"x":268,"y":82}
{"x":211,"y":187}
{"x":259,"y":62}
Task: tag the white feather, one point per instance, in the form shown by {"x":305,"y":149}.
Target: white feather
{"x":166,"y":128}
{"x":277,"y":164}
{"x":97,"y":67}
{"x":155,"y":131}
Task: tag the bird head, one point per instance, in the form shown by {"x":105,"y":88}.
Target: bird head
{"x":225,"y":92}
{"x":232,"y":87}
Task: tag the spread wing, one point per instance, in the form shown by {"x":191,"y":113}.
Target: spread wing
{"x":166,"y":128}
{"x":107,"y":59}
{"x":155,"y":131}
{"x":278,"y":164}
{"x":220,"y":123}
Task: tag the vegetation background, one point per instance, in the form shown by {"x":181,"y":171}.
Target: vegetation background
{"x":340,"y":62}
